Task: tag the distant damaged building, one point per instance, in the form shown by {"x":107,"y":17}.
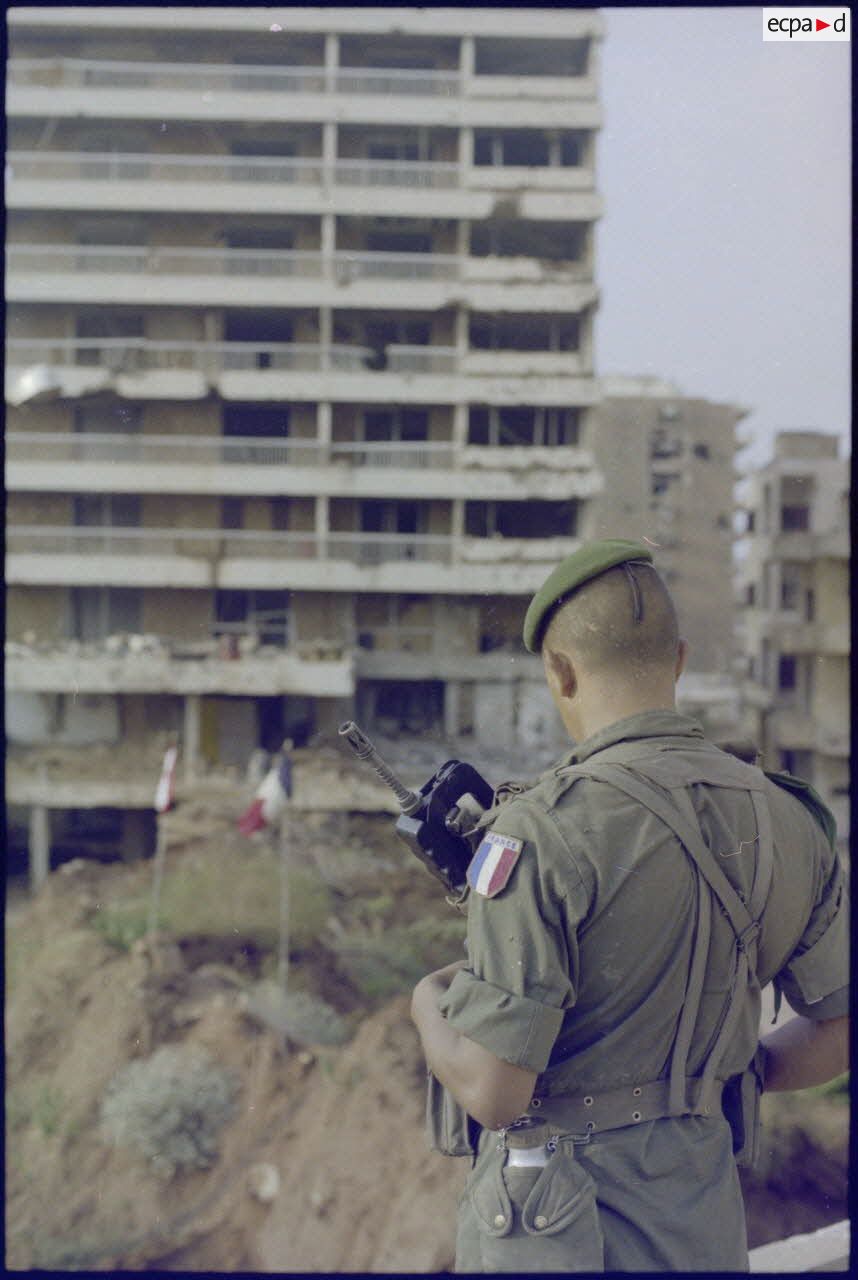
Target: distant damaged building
{"x":668,"y":466}
{"x":299,"y":379}
{"x":794,"y":593}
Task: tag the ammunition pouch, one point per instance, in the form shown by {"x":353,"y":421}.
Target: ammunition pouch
{"x":449,"y":1128}
{"x":740,"y":1103}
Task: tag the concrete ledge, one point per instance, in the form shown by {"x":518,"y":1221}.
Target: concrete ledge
{"x":823,"y":1250}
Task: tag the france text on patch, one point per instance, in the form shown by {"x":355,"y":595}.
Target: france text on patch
{"x":492,"y":864}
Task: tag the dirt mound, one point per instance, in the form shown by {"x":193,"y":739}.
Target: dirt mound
{"x":336,"y":1132}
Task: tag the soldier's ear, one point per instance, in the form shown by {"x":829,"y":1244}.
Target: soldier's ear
{"x":681,"y":658}
{"x":559,"y":672}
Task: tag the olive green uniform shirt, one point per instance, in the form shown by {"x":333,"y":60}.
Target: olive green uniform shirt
{"x":577,"y":970}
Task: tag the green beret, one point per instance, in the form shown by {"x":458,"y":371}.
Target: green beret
{"x":586,"y":563}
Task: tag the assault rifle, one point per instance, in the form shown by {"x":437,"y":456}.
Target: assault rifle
{"x":433,"y":820}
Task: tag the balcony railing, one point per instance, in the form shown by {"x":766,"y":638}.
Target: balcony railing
{"x":158,"y":167}
{"x":28,"y":446}
{"x":221,"y":544}
{"x":340,"y":266}
{"x":139,"y":355}
{"x":74,"y":73}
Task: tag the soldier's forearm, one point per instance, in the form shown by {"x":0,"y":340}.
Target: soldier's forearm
{"x":494,"y":1092}
{"x":803,"y":1053}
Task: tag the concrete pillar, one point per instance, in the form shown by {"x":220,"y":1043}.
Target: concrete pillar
{"x":191,"y":735}
{"x":322,"y":525}
{"x":460,"y":427}
{"x":461,"y":333}
{"x":324,"y":422}
{"x":40,"y":846}
{"x":332,"y":61}
{"x":329,"y":151}
{"x":328,"y":245}
{"x":326,"y":330}
{"x":466,"y":61}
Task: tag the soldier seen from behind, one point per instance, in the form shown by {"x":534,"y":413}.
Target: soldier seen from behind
{"x":597,"y":1056}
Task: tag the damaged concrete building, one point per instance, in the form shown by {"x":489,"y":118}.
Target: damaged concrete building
{"x":668,"y":463}
{"x":794,"y":602}
{"x":300,"y":380}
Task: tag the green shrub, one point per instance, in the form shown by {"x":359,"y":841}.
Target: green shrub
{"x":170,"y":1107}
{"x":218,"y":895}
{"x":392,"y":963}
{"x":122,"y":924}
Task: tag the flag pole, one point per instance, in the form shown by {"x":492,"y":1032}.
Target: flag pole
{"x":285,"y":775}
{"x":164,"y":800}
{"x":158,"y":873}
{"x":283,"y":949}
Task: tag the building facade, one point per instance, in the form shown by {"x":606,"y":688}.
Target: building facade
{"x":668,"y":463}
{"x":299,"y":376}
{"x":794,"y":597}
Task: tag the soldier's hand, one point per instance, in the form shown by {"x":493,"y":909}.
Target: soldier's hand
{"x":443,"y":977}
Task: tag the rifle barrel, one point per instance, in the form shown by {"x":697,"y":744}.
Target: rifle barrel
{"x":409,"y":801}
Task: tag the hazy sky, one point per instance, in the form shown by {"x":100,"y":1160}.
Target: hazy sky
{"x":723,"y":257}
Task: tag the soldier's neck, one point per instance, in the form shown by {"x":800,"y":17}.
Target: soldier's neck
{"x":597,"y":713}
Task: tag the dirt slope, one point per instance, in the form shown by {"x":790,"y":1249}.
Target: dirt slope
{"x":323,"y":1166}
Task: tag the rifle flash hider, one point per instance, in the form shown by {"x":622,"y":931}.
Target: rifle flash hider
{"x":435,"y":820}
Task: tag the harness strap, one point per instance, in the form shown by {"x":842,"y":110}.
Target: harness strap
{"x":676,"y":813}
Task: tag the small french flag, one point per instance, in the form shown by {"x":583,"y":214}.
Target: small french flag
{"x":165,"y":792}
{"x":492,"y":864}
{"x":270,"y":800}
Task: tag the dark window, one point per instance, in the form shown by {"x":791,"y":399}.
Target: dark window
{"x":795,"y":519}
{"x":700,"y":451}
{"x":810,"y":605}
{"x":396,"y":424}
{"x":255,"y":419}
{"x":524,"y":332}
{"x":786,"y":671}
{"x":117,"y":510}
{"x":276,"y":147}
{"x":97,"y":612}
{"x":562,"y":426}
{"x":507,"y":56}
{"x":521,"y":519}
{"x":279,"y":513}
{"x":393,"y":150}
{"x":751,"y":593}
{"x":516,"y":426}
{"x":260,"y":238}
{"x":751,"y":521}
{"x":483,"y":148}
{"x":380,"y":515}
{"x":399,"y":241}
{"x":478,"y":425}
{"x":790,"y":586}
{"x":525,"y":148}
{"x":570,"y":149}
{"x":232,"y":513}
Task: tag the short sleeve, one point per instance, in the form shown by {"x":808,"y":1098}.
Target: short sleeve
{"x":522,"y":963}
{"x":815,"y":979}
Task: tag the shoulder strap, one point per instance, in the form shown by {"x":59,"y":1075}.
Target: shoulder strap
{"x":743,"y":919}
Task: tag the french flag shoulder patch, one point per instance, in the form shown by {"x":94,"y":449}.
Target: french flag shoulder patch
{"x":492,"y":864}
